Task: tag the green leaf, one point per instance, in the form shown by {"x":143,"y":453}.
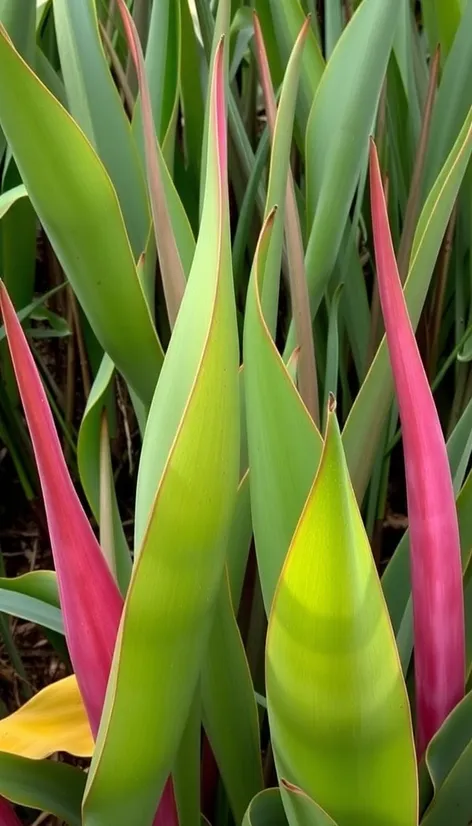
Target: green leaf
{"x":287,"y":20}
{"x":95,"y":104}
{"x":454,"y":97}
{"x":337,"y":702}
{"x":186,"y":493}
{"x":266,"y":809}
{"x":284,"y":445}
{"x":278,"y":177}
{"x":449,"y":761}
{"x":10,"y":197}
{"x":88,"y":460}
{"x":348,"y":93}
{"x":229,"y":708}
{"x":302,"y":810}
{"x":76,"y":204}
{"x":163,"y":72}
{"x":32,"y":597}
{"x":43,"y":784}
{"x":368,"y":414}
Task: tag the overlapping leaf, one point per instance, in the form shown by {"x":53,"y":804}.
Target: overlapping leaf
{"x":337,"y":701}
{"x":186,"y":493}
{"x":78,"y":207}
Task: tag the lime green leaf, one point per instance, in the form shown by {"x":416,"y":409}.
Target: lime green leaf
{"x":367,"y":416}
{"x":284,"y":445}
{"x":43,"y":784}
{"x":53,"y":720}
{"x":96,"y":106}
{"x":302,"y":810}
{"x":338,"y":706}
{"x":187,"y":485}
{"x":229,"y":708}
{"x":449,"y":761}
{"x":78,"y":207}
{"x":88,"y":460}
{"x":10,"y":197}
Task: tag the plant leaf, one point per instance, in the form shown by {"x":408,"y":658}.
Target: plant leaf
{"x":337,"y":703}
{"x":185,"y":499}
{"x":53,"y":720}
{"x":78,"y":207}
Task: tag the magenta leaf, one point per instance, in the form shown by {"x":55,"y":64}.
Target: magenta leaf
{"x":436,"y":571}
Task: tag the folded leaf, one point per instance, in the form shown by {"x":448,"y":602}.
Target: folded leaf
{"x":435,"y":558}
{"x":53,"y":720}
{"x":186,"y":493}
{"x":337,"y":703}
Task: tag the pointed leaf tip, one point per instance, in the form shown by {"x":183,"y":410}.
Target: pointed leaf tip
{"x":438,"y":605}
{"x":90,"y":600}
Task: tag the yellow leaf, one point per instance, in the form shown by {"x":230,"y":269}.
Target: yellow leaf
{"x":53,"y":720}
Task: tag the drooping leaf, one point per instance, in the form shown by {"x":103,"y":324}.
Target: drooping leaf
{"x":53,"y":720}
{"x":41,"y":784}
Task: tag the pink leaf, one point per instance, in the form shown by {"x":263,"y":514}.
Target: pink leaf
{"x":436,"y":571}
{"x":7,"y":814}
{"x":90,"y":601}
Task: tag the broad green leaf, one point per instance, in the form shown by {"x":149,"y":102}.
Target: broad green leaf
{"x":367,"y":416}
{"x":95,"y":104}
{"x":340,"y":121}
{"x":338,"y":706}
{"x":187,"y":485}
{"x":88,"y":460}
{"x":78,"y":207}
{"x":287,"y":20}
{"x":449,"y":762}
{"x":454,"y":97}
{"x":229,"y":707}
{"x":284,"y":445}
{"x":43,"y":784}
{"x":53,"y":720}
